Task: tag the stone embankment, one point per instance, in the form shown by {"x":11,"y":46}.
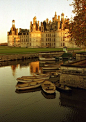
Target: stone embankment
{"x":18,"y":57}
{"x":74,"y":74}
{"x":27,"y":56}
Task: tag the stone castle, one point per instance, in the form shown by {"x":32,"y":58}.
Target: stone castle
{"x":52,"y":34}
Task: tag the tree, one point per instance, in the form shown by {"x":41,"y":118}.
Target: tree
{"x":77,"y":27}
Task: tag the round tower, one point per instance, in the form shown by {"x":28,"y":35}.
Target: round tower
{"x":34,"y":20}
{"x":55,"y":16}
{"x":62,"y":17}
{"x":58,"y":18}
{"x":47,"y":20}
{"x":13,"y":23}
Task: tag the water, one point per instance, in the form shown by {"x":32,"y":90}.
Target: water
{"x":36,"y":106}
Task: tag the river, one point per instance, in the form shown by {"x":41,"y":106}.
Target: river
{"x":36,"y":106}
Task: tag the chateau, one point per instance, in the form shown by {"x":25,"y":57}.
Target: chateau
{"x":52,"y":34}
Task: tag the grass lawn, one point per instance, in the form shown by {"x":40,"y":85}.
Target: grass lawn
{"x":18,"y":50}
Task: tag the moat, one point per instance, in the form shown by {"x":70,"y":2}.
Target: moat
{"x":36,"y":106}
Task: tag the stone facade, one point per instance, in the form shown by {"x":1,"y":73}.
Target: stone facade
{"x":12,"y":36}
{"x":24,"y":37}
{"x":52,"y":34}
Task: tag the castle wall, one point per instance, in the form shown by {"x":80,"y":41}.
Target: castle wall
{"x":48,"y":34}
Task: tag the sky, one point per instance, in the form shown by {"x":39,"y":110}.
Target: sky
{"x":23,"y":11}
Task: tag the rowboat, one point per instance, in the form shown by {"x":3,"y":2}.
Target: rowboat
{"x":48,"y":87}
{"x":50,"y":68}
{"x":30,"y":78}
{"x":36,"y":76}
{"x":27,"y":81}
{"x":48,"y":96}
{"x":47,"y":59}
{"x":29,"y":85}
{"x":62,"y":87}
{"x":41,"y":74}
{"x":28,"y":90}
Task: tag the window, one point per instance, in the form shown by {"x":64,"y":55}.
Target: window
{"x":63,"y":44}
{"x":54,"y":39}
{"x":63,"y":39}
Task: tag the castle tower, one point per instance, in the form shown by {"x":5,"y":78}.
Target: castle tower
{"x":47,"y":20}
{"x":31,"y":26}
{"x":13,"y":23}
{"x":42,"y":27}
{"x":13,"y":29}
{"x":55,"y":16}
{"x":34,"y":23}
{"x":16,"y":31}
{"x":38,"y":25}
{"x":62,"y":21}
{"x":58,"y":25}
{"x":58,"y":18}
{"x":62,"y":17}
{"x":34,"y":20}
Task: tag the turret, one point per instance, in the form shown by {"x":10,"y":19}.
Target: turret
{"x":55,"y":16}
{"x":53,"y":19}
{"x":62,"y":17}
{"x":19,"y":29}
{"x":58,"y":18}
{"x":38,"y":25}
{"x":30,"y":26}
{"x":13,"y":23}
{"x":47,"y":20}
{"x":34,"y":20}
{"x":42,"y":27}
{"x":16,"y":31}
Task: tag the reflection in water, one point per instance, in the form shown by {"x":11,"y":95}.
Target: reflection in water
{"x":48,"y":96}
{"x":22,"y":64}
{"x":13,"y":67}
{"x":77,"y":103}
{"x":28,"y":91}
{"x":35,"y":103}
{"x":34,"y":67}
{"x":76,"y":100}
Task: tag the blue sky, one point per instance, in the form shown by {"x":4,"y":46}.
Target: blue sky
{"x":23,"y":11}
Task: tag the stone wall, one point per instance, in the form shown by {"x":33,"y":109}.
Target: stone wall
{"x":28,"y":56}
{"x":74,"y":76}
{"x":80,"y":56}
{"x":78,"y":81}
{"x":17,"y":57}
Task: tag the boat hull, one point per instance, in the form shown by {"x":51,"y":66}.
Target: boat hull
{"x":47,"y":59}
{"x":26,"y":86}
{"x":48,"y":87}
